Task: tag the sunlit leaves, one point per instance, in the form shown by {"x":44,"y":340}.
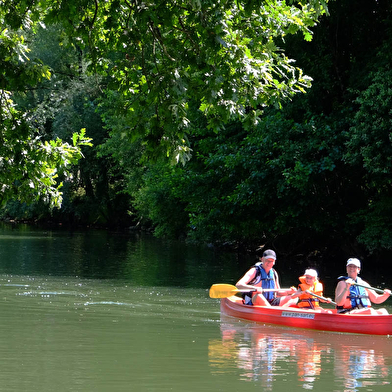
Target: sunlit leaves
{"x":167,"y":61}
{"x":30,"y":166}
{"x":221,"y":56}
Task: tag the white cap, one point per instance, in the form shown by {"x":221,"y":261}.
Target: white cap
{"x":311,"y":272}
{"x":355,"y":262}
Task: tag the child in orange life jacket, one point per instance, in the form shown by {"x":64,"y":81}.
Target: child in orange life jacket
{"x":309,"y":282}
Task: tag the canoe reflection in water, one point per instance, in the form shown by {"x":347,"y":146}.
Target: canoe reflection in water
{"x":270,"y":355}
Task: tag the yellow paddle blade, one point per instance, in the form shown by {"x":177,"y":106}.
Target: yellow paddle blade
{"x":222,"y":290}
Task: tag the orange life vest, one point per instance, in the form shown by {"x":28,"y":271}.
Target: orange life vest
{"x":307,"y":300}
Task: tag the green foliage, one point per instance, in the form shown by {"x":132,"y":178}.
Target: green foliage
{"x":30,"y":166}
{"x":169,"y":57}
{"x":320,"y":168}
{"x":373,"y":224}
{"x":371,"y":139}
{"x":212,"y":85}
{"x":267,"y":182}
{"x":370,"y":147}
{"x":91,"y":193}
{"x":165,"y":59}
{"x":159,"y":201}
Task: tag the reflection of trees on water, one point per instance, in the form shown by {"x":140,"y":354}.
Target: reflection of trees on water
{"x":270,"y":355}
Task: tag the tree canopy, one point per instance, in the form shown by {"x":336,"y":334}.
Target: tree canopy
{"x":218,"y":86}
{"x":30,"y":162}
{"x":167,"y":58}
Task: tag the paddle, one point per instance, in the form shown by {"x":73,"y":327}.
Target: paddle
{"x":367,"y":287}
{"x":223,"y":290}
{"x":370,"y":288}
{"x":320,"y":297}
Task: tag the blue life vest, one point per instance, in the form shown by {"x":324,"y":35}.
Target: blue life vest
{"x":358,"y":295}
{"x":267,"y":280}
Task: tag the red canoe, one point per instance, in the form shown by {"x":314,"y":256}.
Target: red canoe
{"x":309,"y":319}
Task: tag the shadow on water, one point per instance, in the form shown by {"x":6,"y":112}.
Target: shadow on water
{"x":142,"y":259}
{"x":134,"y":257}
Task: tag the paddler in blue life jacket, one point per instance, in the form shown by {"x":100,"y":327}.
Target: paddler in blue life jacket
{"x":351,"y":298}
{"x":263,"y":276}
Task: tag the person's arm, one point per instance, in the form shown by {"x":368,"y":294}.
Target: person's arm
{"x":342,"y":291}
{"x":376,"y":298}
{"x":297,"y":293}
{"x":242,"y":284}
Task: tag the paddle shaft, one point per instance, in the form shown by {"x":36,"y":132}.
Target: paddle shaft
{"x":252,"y":290}
{"x":319,"y":296}
{"x":370,"y":288}
{"x":266,"y":290}
{"x":366,"y":287}
{"x":222,"y":290}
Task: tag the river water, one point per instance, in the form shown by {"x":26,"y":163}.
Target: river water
{"x":99,"y":311}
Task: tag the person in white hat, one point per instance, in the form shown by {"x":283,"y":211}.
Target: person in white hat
{"x":352,"y":298}
{"x":310,"y":283}
{"x":263,"y":276}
